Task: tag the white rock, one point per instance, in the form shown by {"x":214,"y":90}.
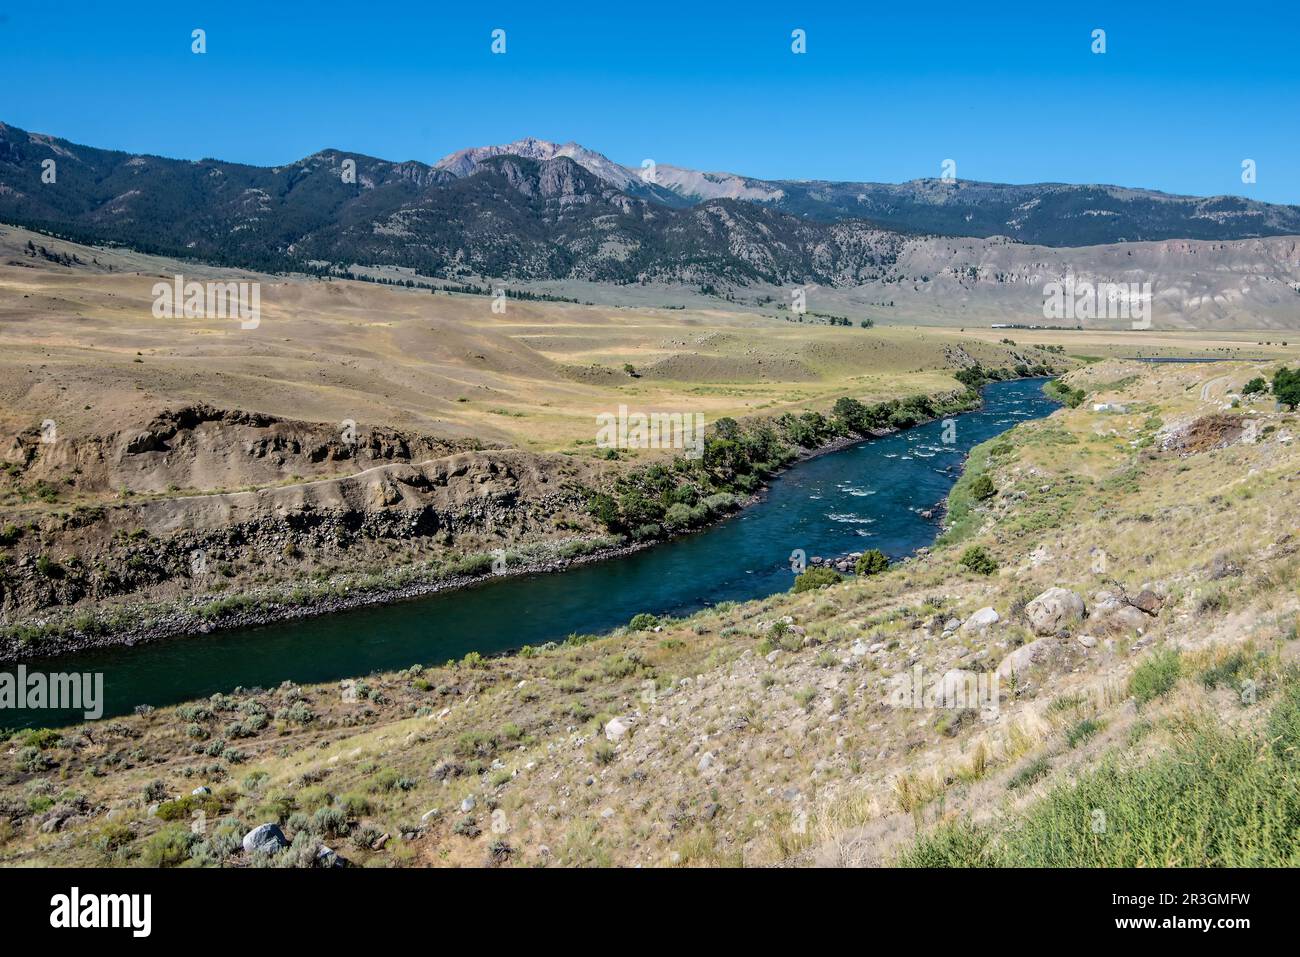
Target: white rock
{"x":981,"y":620}
{"x":1026,"y":656}
{"x":616,"y":728}
{"x":264,"y":837}
{"x":1053,"y":610}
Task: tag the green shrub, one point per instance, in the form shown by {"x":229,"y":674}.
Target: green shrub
{"x":1029,"y":773}
{"x":872,"y":562}
{"x":1286,"y":387}
{"x":480,"y":744}
{"x":296,"y":713}
{"x":41,"y":738}
{"x":329,"y":822}
{"x":112,"y":837}
{"x":169,"y":847}
{"x":31,"y":760}
{"x":1058,"y":390}
{"x":1155,"y":677}
{"x":1227,"y":672}
{"x":155,"y":791}
{"x":677,"y":516}
{"x":354,"y":805}
{"x":815,"y":578}
{"x":978,"y":560}
{"x":1255,"y":385}
{"x":642,"y":622}
{"x":982,"y":488}
{"x":1082,"y":731}
{"x":955,"y":845}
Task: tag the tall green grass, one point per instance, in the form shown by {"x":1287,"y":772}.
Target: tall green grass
{"x":1218,"y":799}
{"x":962,"y":518}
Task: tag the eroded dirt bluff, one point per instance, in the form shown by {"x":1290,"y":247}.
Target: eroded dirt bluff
{"x":200,"y":447}
{"x":151,"y":509}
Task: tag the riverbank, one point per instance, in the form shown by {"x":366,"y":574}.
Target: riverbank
{"x":137,"y":623}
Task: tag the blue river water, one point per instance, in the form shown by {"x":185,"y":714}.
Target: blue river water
{"x":870,"y":495}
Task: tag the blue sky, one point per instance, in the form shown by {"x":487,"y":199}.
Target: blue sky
{"x":886,"y":92}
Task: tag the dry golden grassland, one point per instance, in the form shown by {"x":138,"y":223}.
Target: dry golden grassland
{"x":80,"y":346}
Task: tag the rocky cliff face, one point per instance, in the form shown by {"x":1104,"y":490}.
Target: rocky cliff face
{"x":378,"y":497}
{"x":202,"y":447}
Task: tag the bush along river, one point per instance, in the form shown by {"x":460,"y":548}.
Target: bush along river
{"x":879,"y":493}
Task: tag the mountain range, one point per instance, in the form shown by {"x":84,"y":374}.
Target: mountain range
{"x":537,"y":211}
{"x":1047,"y":214}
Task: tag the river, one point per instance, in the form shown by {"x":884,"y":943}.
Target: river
{"x":869,"y":495}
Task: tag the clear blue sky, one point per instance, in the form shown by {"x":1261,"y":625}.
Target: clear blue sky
{"x":886,"y":91}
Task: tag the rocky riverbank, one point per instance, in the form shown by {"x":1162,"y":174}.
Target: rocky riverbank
{"x":250,"y":609}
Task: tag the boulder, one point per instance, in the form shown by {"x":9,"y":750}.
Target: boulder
{"x":56,"y":818}
{"x":1026,"y":656}
{"x":956,"y":689}
{"x":981,"y":619}
{"x":1116,"y":617}
{"x":616,"y":728}
{"x":1055,"y":610}
{"x":382,"y":493}
{"x":265,"y":837}
{"x":328,"y":857}
{"x":1148,"y":601}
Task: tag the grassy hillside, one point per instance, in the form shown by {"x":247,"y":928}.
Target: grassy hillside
{"x":764,"y":733}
